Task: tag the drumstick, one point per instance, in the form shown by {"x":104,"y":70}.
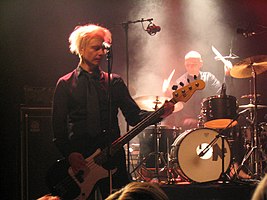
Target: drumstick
{"x":219,"y":55}
{"x":166,"y":83}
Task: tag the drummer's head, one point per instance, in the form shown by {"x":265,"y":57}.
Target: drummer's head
{"x":193,"y":62}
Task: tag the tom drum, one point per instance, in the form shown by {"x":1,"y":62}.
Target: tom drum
{"x":219,"y":111}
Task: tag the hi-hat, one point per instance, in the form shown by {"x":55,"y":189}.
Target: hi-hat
{"x":152,"y":103}
{"x":252,"y":106}
{"x":243,"y":69}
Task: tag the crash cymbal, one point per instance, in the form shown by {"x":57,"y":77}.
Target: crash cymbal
{"x":252,"y":106}
{"x":243,"y":69}
{"x":152,"y":103}
{"x":249,"y":96}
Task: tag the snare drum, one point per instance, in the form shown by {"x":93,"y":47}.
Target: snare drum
{"x":185,"y":159}
{"x":219,"y":111}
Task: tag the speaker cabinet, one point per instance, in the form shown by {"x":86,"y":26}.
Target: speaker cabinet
{"x":38,"y":152}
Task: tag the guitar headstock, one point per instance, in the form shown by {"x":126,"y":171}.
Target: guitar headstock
{"x":184,"y":94}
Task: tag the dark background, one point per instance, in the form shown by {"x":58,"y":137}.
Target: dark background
{"x":34,"y":50}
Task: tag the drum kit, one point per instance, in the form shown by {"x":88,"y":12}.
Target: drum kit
{"x":204,"y":154}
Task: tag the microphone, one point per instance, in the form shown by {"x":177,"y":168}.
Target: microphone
{"x":245,"y":32}
{"x":106,"y":45}
{"x":152,"y":29}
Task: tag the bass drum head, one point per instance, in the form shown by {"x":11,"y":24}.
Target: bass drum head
{"x":209,"y":166}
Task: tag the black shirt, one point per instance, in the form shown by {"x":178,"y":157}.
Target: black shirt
{"x":72,"y":104}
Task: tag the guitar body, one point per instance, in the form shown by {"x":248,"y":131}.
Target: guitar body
{"x":64,"y":183}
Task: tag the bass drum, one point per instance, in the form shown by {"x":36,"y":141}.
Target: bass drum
{"x":185,"y":159}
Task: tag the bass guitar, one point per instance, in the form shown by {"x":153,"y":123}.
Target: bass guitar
{"x":64,"y":183}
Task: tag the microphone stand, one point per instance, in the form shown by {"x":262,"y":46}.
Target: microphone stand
{"x":126,"y":28}
{"x":220,"y":135}
{"x":109,"y":55}
{"x":125,"y":25}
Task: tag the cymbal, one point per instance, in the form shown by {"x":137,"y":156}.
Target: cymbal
{"x":252,"y":106}
{"x":152,"y":103}
{"x":243,"y":69}
{"x":249,"y":96}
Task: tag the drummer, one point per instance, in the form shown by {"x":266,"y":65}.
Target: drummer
{"x":188,"y":117}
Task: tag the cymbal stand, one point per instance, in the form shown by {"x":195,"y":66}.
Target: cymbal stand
{"x":255,"y":148}
{"x":255,"y":136}
{"x":157,"y":154}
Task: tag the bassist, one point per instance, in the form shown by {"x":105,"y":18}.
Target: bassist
{"x":81,"y":109}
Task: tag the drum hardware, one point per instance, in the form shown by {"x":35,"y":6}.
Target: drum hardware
{"x":249,"y":96}
{"x":223,"y":177}
{"x":250,"y":105}
{"x":159,"y":156}
{"x":251,"y":67}
{"x":246,"y":157}
{"x":147,"y":137}
{"x":151,"y":103}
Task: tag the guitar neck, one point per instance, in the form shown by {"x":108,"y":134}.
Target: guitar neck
{"x":182,"y":94}
{"x":136,"y":130}
{"x":117,"y":144}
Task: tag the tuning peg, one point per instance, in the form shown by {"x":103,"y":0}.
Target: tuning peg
{"x":174,"y":87}
{"x":181,"y":84}
{"x":195,"y":77}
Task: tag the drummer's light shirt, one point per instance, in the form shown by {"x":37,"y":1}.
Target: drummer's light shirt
{"x":192,"y":107}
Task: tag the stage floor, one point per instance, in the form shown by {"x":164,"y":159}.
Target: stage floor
{"x":241,"y":190}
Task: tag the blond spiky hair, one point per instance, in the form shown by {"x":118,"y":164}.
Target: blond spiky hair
{"x":83,"y":34}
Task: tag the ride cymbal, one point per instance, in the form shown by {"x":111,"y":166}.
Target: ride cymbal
{"x":152,"y":103}
{"x":243,"y":69}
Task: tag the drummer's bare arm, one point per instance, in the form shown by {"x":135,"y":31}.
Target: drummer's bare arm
{"x":190,"y":122}
{"x":213,"y":85}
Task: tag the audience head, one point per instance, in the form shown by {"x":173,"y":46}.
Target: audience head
{"x":139,"y":190}
{"x":49,"y":197}
{"x":260,"y":192}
